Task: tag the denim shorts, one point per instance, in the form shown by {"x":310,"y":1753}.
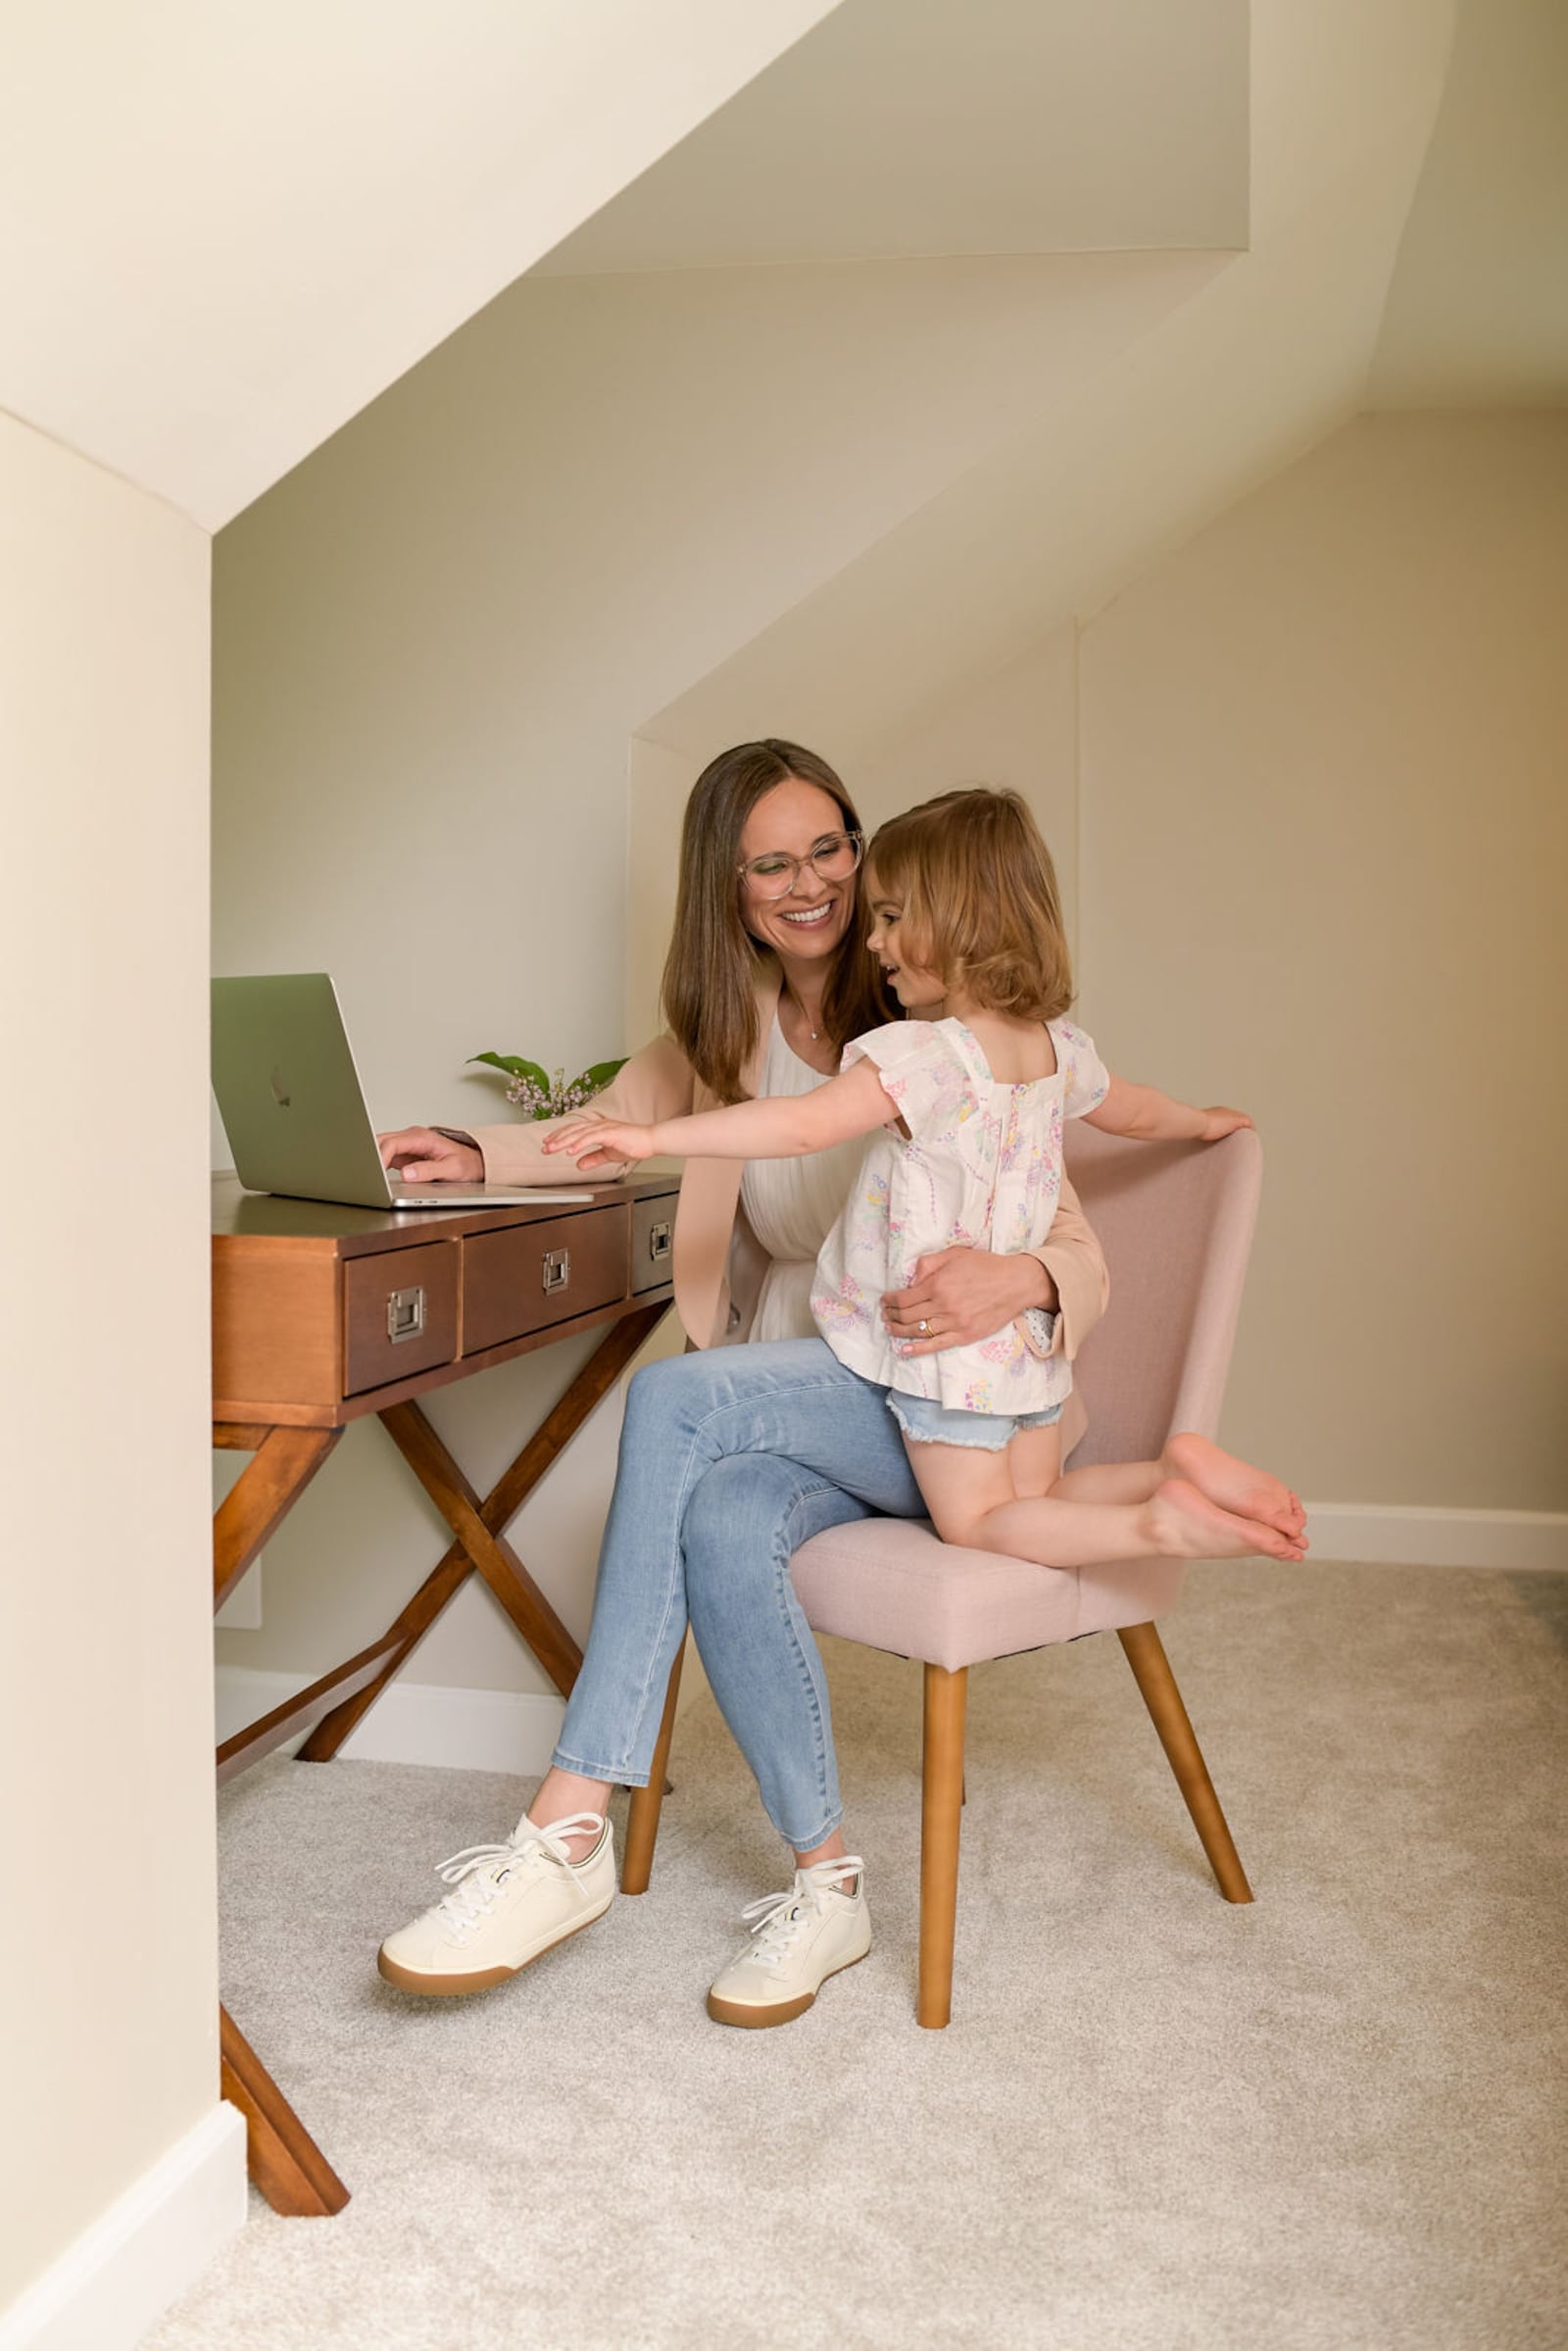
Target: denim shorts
{"x":926,"y":1422}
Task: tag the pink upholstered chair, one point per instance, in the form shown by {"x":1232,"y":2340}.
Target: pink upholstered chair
{"x":1175,"y":1222}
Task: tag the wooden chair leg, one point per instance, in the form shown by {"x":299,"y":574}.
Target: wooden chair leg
{"x":941,"y":1803}
{"x":642,"y":1822}
{"x":1146,"y":1654}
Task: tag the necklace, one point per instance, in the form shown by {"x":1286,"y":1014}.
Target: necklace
{"x":805,"y":1018}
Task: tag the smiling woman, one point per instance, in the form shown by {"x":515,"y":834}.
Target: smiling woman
{"x":775,"y":819}
{"x":733,"y":1455}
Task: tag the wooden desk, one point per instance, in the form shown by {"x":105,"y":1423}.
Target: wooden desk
{"x":323,"y":1314}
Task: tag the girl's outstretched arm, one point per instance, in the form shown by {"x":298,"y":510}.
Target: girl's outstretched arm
{"x":1149,"y":1116}
{"x":780,"y":1127}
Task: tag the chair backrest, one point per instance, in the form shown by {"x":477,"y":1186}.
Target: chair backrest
{"x":1175,"y":1222}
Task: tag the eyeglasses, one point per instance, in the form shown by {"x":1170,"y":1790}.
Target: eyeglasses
{"x":834,"y":859}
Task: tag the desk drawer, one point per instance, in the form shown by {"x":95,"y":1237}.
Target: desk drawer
{"x":653,"y":1225}
{"x":400,"y":1313}
{"x":530,"y":1275}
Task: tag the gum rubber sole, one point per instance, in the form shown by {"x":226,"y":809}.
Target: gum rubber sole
{"x":743,"y":2012}
{"x":439,"y":1988}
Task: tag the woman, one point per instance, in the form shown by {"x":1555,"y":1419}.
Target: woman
{"x":733,"y":1456}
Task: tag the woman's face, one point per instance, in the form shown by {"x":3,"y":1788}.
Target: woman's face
{"x":808,"y":923}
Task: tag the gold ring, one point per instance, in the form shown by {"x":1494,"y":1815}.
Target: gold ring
{"x":925,"y":1328}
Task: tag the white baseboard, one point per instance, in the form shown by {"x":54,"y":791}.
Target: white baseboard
{"x":152,"y":2244}
{"x":1396,"y":1536}
{"x":472,"y":1730}
{"x":416,"y":1722}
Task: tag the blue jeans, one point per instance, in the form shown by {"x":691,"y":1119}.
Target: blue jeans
{"x":729,"y":1461}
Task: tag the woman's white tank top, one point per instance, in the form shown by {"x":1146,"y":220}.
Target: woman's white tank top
{"x":792,"y":1204}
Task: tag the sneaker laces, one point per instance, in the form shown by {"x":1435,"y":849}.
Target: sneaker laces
{"x":479,"y":1872}
{"x":780,"y":1920}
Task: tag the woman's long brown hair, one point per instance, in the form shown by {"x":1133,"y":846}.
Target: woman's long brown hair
{"x":710,"y":991}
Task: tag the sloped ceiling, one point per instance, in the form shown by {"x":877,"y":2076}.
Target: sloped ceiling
{"x":228,"y":224}
{"x":1265,"y":357}
{"x":922,"y":127}
{"x":1408,"y":248}
{"x":1476,"y":315}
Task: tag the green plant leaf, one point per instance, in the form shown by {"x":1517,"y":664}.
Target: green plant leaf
{"x":512,"y":1066}
{"x":599,"y":1077}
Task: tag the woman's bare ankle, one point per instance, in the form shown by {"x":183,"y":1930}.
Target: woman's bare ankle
{"x":832,"y":1849}
{"x":563,"y":1795}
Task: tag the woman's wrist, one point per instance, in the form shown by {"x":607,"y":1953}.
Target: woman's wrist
{"x":1042,"y":1287}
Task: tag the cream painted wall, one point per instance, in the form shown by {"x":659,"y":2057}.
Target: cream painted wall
{"x":1324,"y":836}
{"x":1317,"y":759}
{"x":1476,"y":315}
{"x":432,"y":645}
{"x":1016,"y":729}
{"x":433,"y":641}
{"x":992,"y":128}
{"x":658,"y":782}
{"x":1117,"y":466}
{"x":1308,"y":786}
{"x":108,"y":1961}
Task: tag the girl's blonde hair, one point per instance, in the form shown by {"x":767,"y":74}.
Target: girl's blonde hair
{"x":979,"y":898}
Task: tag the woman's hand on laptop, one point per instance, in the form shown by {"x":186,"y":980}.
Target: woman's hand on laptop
{"x":425,"y":1157}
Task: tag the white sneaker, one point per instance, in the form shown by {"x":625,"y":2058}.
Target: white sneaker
{"x":802,"y":1938}
{"x":510,"y":1902}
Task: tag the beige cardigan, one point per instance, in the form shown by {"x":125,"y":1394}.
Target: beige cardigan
{"x":718,"y":1261}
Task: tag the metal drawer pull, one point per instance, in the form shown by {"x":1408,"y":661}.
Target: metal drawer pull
{"x":405,"y":1314}
{"x":658,"y":1242}
{"x":558,"y":1268}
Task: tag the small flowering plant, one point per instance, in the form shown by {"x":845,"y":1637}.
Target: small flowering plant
{"x":545,"y":1094}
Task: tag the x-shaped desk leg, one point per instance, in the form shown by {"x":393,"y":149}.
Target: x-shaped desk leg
{"x":476,"y":1526}
{"x":286,"y":2162}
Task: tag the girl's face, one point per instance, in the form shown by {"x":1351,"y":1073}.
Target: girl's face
{"x":809,"y":922}
{"x":918,"y":989}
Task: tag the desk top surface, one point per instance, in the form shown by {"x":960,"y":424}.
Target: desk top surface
{"x":238,"y":1214}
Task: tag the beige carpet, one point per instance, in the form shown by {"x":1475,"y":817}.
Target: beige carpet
{"x":1156,"y":2122}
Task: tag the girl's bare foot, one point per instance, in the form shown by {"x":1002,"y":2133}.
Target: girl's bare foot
{"x":1184,"y":1524}
{"x":1236,"y":1485}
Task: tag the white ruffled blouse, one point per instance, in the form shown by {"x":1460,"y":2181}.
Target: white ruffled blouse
{"x":792,"y":1204}
{"x":980,"y":1167}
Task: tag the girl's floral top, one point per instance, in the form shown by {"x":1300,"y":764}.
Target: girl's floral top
{"x":981,"y":1167}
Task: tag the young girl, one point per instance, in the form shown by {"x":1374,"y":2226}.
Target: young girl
{"x":965,"y":1099}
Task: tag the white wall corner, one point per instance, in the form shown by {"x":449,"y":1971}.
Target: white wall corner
{"x":152,"y":2244}
{"x":1391,"y":1536}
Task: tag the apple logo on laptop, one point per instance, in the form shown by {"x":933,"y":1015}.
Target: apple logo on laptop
{"x":279,"y":1095}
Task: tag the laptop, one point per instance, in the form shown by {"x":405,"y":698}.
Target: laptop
{"x":284,"y":1076}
